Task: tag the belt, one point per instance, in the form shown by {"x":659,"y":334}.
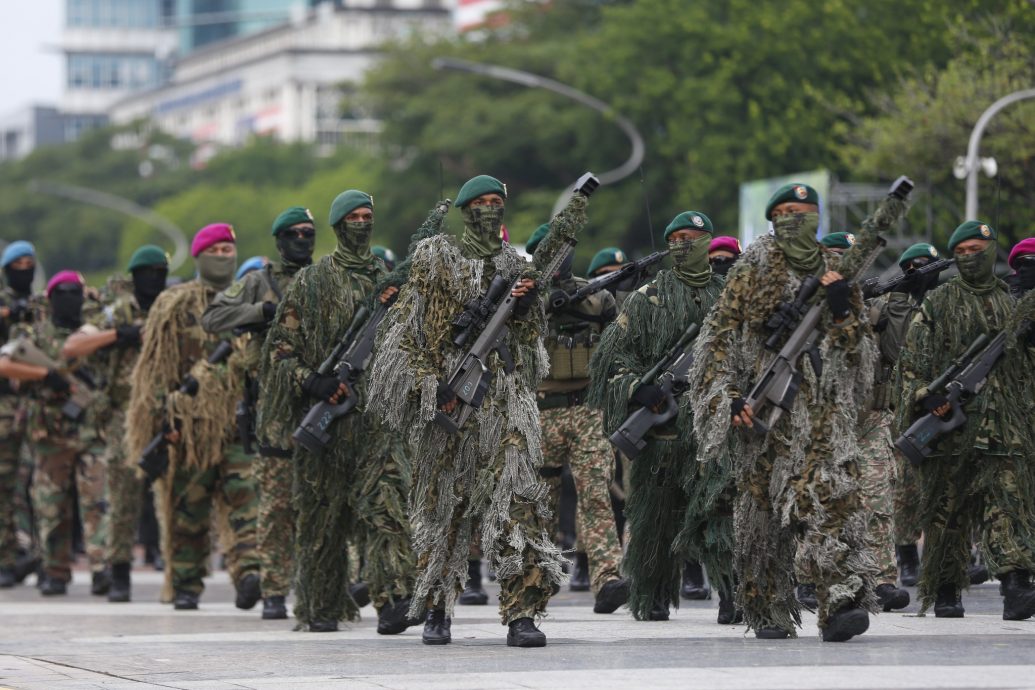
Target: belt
{"x":552,"y":401}
{"x":273,"y":452}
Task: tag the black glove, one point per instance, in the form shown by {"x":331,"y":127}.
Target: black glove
{"x":933,"y":401}
{"x":737,"y":406}
{"x":56,"y":382}
{"x":838,"y":296}
{"x":269,"y":310}
{"x":525,"y":302}
{"x":444,"y":394}
{"x":127,"y":336}
{"x":649,"y":395}
{"x":321,"y":387}
{"x":190,"y":385}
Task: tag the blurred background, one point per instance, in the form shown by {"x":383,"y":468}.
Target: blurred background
{"x":127,"y":121}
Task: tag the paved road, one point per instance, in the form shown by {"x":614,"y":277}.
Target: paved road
{"x":81,"y":641}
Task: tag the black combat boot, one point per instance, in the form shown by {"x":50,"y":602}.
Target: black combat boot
{"x":25,"y":565}
{"x":613,"y":594}
{"x":249,"y":591}
{"x":771,"y":632}
{"x":274,"y":608}
{"x":580,"y":576}
{"x":694,"y":588}
{"x":523,"y":633}
{"x":845,"y":623}
{"x":474,"y":594}
{"x":52,"y":586}
{"x":392,"y":618}
{"x":7,"y":578}
{"x":728,"y":613}
{"x":436,"y":628}
{"x":323,"y":625}
{"x":360,"y":593}
{"x":978,"y":573}
{"x":659,"y":611}
{"x":120,"y":583}
{"x":908,"y":564}
{"x":806,"y":595}
{"x":186,"y":601}
{"x":947,"y":602}
{"x":1018,"y":595}
{"x":891,"y":598}
{"x":100,"y":583}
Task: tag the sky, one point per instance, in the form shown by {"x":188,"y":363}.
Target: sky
{"x":32,"y":68}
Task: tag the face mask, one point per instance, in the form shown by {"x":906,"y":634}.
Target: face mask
{"x":66,"y":307}
{"x":1026,"y":275}
{"x":690,"y":260}
{"x":148,"y":283}
{"x":796,"y":237}
{"x":353,"y":250}
{"x":482,"y":225}
{"x":977,"y":270}
{"x":722,"y":265}
{"x":20,"y":279}
{"x":216,"y":270}
{"x":295,"y":250}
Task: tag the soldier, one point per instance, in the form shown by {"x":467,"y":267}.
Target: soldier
{"x":62,"y":465}
{"x":204,"y":468}
{"x":798,"y":501}
{"x":355,"y":487}
{"x":980,"y":473}
{"x":574,"y":433}
{"x":675,"y":508}
{"x":723,"y":252}
{"x":609,"y":260}
{"x":486,"y":475}
{"x":19,"y":268}
{"x":385,"y":254}
{"x":251,"y":304}
{"x":112,"y":337}
{"x":1022,"y":261}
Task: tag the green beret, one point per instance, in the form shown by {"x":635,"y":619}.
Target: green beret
{"x":148,"y":255}
{"x":347,"y":202}
{"x":536,"y":238}
{"x":607,"y":257}
{"x":794,"y":191}
{"x":838,"y":240}
{"x":292,"y":216}
{"x":695,"y":220}
{"x":383,"y":253}
{"x":918,"y":250}
{"x":476,"y":186}
{"x":971,"y":230}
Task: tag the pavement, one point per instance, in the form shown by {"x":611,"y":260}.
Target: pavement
{"x":81,"y":641}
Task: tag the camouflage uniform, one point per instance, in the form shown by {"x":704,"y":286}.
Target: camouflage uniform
{"x":241,"y":306}
{"x":574,"y":433}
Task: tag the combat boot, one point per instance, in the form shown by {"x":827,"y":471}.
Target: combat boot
{"x":474,"y":594}
{"x":845,"y":623}
{"x":728,"y":612}
{"x":52,"y":586}
{"x":659,"y":611}
{"x":978,"y":573}
{"x":7,"y":578}
{"x":891,"y":598}
{"x":947,"y":602}
{"x":771,"y":632}
{"x":392,"y":618}
{"x":120,"y":583}
{"x":523,"y":633}
{"x":249,"y":591}
{"x":323,"y":625}
{"x":806,"y":595}
{"x":360,"y":593}
{"x":694,"y":588}
{"x":274,"y":608}
{"x":908,"y":564}
{"x":186,"y":601}
{"x":580,"y":576}
{"x":100,"y":583}
{"x":613,"y":594}
{"x":25,"y":565}
{"x":1018,"y":595}
{"x":436,"y":628}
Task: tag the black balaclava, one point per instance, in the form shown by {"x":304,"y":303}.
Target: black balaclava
{"x":1025,"y":273}
{"x":66,"y":306}
{"x":294,"y":250}
{"x":722,"y":264}
{"x":148,"y":283}
{"x":20,"y":279}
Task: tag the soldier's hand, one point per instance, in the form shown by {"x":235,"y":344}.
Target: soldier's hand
{"x":327,"y":388}
{"x":173,"y":437}
{"x":56,"y":382}
{"x":936,"y":404}
{"x":387,"y":293}
{"x":649,"y":396}
{"x":742,"y":413}
{"x":445,"y":398}
{"x":269,"y":311}
{"x":127,"y":336}
{"x":523,"y":287}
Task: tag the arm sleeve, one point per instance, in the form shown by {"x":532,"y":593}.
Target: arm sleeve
{"x":238,"y":305}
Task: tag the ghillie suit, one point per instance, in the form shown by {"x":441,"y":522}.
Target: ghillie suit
{"x":204,"y":470}
{"x":980,"y":474}
{"x":674,"y":508}
{"x":798,"y":487}
{"x":487,"y":475}
{"x":355,"y":488}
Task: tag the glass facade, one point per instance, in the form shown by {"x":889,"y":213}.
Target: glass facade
{"x":112,"y":71}
{"x":202,"y":22}
{"x":128,"y":14}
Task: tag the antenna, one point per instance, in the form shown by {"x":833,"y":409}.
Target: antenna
{"x":441,"y":180}
{"x":646,"y":203}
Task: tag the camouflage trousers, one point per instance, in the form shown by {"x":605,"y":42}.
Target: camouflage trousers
{"x":230,"y":485}
{"x":906,"y":502}
{"x":576,"y":435}
{"x":62,"y":467}
{"x":354,"y":491}
{"x":10,"y":488}
{"x":877,"y":480}
{"x":125,"y":492}
{"x":276,"y":527}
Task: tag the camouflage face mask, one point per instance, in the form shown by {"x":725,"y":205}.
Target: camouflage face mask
{"x":482,"y":225}
{"x":978,"y":270}
{"x":690,"y":260}
{"x":796,"y":237}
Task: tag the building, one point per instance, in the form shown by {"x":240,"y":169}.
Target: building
{"x":25,"y":129}
{"x":283,"y":81}
{"x":202,"y":22}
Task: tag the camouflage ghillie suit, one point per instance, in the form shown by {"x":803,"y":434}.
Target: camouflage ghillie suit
{"x":798,"y":487}
{"x":676,"y":508}
{"x":574,"y":433}
{"x":204,"y":467}
{"x":241,"y":306}
{"x":486,"y":476}
{"x":981,"y":473}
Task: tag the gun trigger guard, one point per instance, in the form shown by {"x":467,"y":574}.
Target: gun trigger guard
{"x":508,"y":360}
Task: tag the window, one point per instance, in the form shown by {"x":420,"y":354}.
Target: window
{"x":99,"y":71}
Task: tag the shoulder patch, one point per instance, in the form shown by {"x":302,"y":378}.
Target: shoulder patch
{"x":235,"y":289}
